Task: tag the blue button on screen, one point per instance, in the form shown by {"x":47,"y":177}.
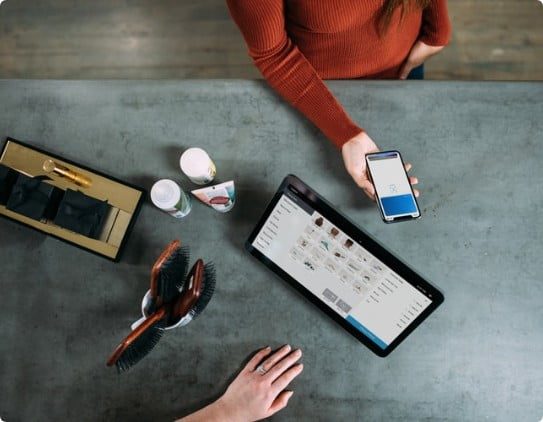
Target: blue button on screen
{"x":367,"y":332}
{"x":401,"y":204}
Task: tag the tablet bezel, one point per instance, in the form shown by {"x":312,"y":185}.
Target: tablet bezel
{"x":350,"y":229}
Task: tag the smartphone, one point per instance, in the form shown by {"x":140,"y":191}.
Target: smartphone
{"x":393,"y":191}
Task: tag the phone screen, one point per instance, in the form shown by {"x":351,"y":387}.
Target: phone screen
{"x":394,"y":194}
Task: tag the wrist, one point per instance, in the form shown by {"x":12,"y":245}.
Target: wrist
{"x":354,"y":139}
{"x":347,"y":136}
{"x":214,"y":412}
{"x":433,"y":43}
{"x":222,"y":411}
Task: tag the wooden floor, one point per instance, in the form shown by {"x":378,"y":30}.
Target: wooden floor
{"x":493,"y":39}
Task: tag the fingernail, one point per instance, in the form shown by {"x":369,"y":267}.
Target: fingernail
{"x":298,"y":352}
{"x":286,"y":347}
{"x":267,"y":348}
{"x":301,"y":365}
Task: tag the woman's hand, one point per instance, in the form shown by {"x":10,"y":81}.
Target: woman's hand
{"x":258,"y":391}
{"x":258,"y":394}
{"x":419,"y":53}
{"x":354,"y":156}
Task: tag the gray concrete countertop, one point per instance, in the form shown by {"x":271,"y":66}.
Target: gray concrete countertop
{"x":477,"y":150}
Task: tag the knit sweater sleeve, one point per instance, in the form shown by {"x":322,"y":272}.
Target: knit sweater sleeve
{"x":285,"y":68}
{"x":436,"y":26}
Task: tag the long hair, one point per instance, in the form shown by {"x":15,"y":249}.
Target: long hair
{"x":389,"y":6}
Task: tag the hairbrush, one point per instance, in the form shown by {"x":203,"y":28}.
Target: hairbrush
{"x":195,"y":294}
{"x":190,"y":302}
{"x":139,"y":342}
{"x":168,"y":274}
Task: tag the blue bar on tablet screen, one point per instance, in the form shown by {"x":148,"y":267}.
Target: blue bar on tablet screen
{"x":366,"y":332}
{"x":400,"y":204}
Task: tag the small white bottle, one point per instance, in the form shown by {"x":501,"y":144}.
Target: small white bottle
{"x":197,"y":166}
{"x":168,"y":196}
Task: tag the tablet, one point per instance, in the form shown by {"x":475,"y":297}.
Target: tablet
{"x":340,"y":268}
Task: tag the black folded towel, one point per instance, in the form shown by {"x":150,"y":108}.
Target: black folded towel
{"x":81,"y":213}
{"x":8,"y":177}
{"x":33,"y":198}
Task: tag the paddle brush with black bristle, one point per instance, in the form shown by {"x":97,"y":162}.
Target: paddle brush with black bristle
{"x":190,"y":303}
{"x":139,"y":342}
{"x":168,"y":275}
{"x":196,"y":293}
{"x":208,"y":288}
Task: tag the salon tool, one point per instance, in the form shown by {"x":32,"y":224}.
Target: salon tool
{"x":50,"y":166}
{"x":168,"y":274}
{"x":190,"y":303}
{"x":196,"y":293}
{"x":139,"y":342}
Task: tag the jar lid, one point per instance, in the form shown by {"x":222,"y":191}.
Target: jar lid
{"x":165,"y":193}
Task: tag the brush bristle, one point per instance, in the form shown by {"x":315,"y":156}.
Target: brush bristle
{"x":173,"y":273}
{"x":141,"y":346}
{"x":208,"y":288}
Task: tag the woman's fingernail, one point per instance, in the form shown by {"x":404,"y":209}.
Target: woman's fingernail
{"x":286,"y":347}
{"x":301,"y":365}
{"x":298,"y":352}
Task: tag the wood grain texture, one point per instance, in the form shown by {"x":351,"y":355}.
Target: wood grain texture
{"x":132,"y":39}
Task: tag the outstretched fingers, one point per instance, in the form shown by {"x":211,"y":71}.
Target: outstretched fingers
{"x":274,"y":358}
{"x":257,"y":358}
{"x":286,"y":378}
{"x":283,"y":365}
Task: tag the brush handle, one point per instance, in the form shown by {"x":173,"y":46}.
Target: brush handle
{"x":137,"y":323}
{"x":156,"y":300}
{"x":140,"y":329}
{"x":191,"y":291}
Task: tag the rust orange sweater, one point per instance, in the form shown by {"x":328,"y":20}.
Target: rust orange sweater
{"x":297,"y":43}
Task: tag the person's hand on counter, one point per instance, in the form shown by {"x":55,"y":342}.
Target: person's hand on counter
{"x":354,"y":156}
{"x":258,"y":391}
{"x":420,"y":52}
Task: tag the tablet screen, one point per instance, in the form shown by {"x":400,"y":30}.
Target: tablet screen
{"x":371,"y":297}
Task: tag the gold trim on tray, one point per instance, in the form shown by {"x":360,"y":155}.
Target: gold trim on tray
{"x":123,"y":200}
